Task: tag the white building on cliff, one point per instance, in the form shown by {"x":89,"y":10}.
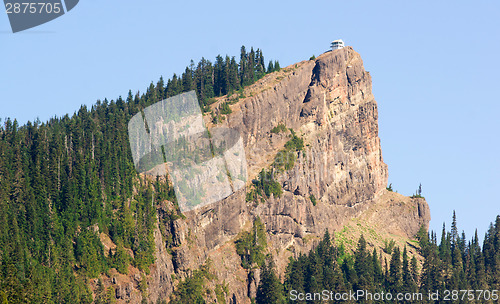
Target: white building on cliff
{"x":337,"y":44}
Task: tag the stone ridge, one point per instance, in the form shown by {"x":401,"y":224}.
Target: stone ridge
{"x":329,"y":103}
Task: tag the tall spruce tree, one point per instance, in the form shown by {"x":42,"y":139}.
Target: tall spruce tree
{"x":270,"y":290}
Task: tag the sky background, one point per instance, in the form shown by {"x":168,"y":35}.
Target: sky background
{"x":434,"y":64}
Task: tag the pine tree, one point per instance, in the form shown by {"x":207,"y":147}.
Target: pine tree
{"x":395,"y":277}
{"x":431,"y":277}
{"x":454,"y":231}
{"x":378,"y":274}
{"x":294,"y":275}
{"x":187,"y":80}
{"x":243,"y":71}
{"x":277,"y":66}
{"x":270,"y":67}
{"x":414,"y":272}
{"x":326,"y":252}
{"x":270,"y":290}
{"x":363,"y":266}
{"x":408,"y":283}
{"x":314,"y":273}
{"x":121,"y":259}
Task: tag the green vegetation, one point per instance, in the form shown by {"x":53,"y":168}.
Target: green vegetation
{"x":225,"y":109}
{"x":418,"y":193}
{"x":389,"y":246}
{"x":89,"y":254}
{"x":270,"y":289}
{"x":251,"y":245}
{"x":192,"y":289}
{"x":389,"y":188}
{"x":62,"y":184}
{"x":66,"y":181}
{"x":104,"y":296}
{"x":216,"y":118}
{"x":312,"y":57}
{"x":295,"y":143}
{"x":241,"y":93}
{"x":454,"y":264}
{"x":265,"y":185}
{"x":223,"y":77}
{"x":279,"y":128}
{"x":120,"y":259}
{"x":273,"y":67}
{"x":285,"y":159}
{"x":313,"y":199}
{"x":221,"y":291}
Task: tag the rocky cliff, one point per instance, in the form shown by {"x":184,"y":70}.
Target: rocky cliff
{"x":338,"y":177}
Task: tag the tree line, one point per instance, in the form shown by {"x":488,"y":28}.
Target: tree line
{"x":223,"y":77}
{"x":65,"y":181}
{"x":452,"y":264}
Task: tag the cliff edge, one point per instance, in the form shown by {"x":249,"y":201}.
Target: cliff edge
{"x":337,"y":179}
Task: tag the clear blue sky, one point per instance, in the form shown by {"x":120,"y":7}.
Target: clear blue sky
{"x":435,"y":68}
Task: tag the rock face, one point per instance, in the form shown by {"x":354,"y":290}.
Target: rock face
{"x":329,"y":103}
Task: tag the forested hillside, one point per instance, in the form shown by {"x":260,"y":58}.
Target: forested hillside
{"x":450,"y":266}
{"x":68,"y":184}
{"x":65,"y":180}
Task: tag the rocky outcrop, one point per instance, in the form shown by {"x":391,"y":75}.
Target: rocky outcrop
{"x":329,"y":103}
{"x":397,"y":214}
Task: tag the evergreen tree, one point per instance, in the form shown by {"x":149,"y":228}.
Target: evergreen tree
{"x":414,"y":272}
{"x":408,"y":283}
{"x":378,"y":275}
{"x":277,"y":66}
{"x":363,"y":266}
{"x":395,"y":278}
{"x":270,"y":67}
{"x":270,"y":290}
{"x":454,"y":231}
